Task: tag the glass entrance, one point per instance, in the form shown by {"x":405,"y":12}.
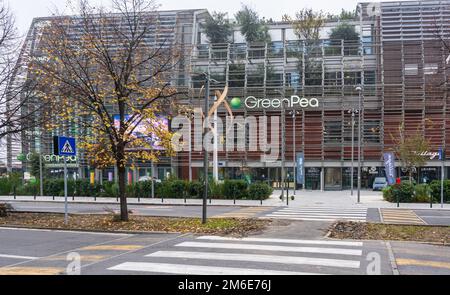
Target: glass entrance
{"x":312,"y":178}
{"x":333,"y":178}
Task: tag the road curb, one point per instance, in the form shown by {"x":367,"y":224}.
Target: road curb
{"x":142,"y":204}
{"x":89,"y":231}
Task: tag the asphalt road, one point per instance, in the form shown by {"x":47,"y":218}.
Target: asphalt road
{"x":435,"y":217}
{"x":146,"y":210}
{"x":286,"y":248}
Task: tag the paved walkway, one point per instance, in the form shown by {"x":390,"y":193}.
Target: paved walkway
{"x":333,"y":199}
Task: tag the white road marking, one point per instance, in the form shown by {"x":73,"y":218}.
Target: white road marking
{"x":271,"y":248}
{"x":18,"y":257}
{"x":324,"y":209}
{"x":322,"y":214}
{"x":328,"y":217}
{"x":65,"y":231}
{"x":258,"y":258}
{"x":182,"y":269}
{"x":283,"y":241}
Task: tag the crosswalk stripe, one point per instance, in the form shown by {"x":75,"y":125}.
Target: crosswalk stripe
{"x":396,"y":216}
{"x":31,"y":271}
{"x":317,"y":219}
{"x":327,"y":210}
{"x":320,"y":214}
{"x":258,"y":258}
{"x":332,"y":217}
{"x":183,"y":269}
{"x":414,"y":262}
{"x":351,"y":252}
{"x":283,"y":241}
{"x":18,"y":257}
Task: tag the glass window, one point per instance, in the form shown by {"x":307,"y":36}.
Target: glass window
{"x":332,"y":132}
{"x":411,"y":69}
{"x":372,"y":131}
{"x":352,"y":78}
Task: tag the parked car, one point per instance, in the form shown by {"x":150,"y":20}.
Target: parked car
{"x":149,"y":178}
{"x":379,"y":183}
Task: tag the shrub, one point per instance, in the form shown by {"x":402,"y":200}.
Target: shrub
{"x":421,"y":193}
{"x":259,"y":191}
{"x":195,"y":189}
{"x":216,"y":190}
{"x":110,"y":190}
{"x":435,"y":189}
{"x":404,"y":193}
{"x":173,"y":189}
{"x":5,"y":186}
{"x":235,"y":189}
{"x":29,"y":189}
{"x":387,"y":194}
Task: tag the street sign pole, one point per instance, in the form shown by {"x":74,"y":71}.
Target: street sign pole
{"x":41,"y":177}
{"x":66,"y":217}
{"x":64,"y":147}
{"x":442,"y":184}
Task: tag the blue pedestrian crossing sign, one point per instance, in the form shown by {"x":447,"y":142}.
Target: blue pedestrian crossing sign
{"x":64,"y":146}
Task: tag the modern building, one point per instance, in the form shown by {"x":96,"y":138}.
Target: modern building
{"x":396,"y":68}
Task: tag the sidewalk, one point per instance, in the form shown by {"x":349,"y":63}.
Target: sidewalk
{"x":343,"y":199}
{"x":272,"y":202}
{"x":332,"y":199}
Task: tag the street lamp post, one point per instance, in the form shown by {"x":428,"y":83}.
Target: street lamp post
{"x":283,"y":146}
{"x":294,"y":114}
{"x":352,"y":175}
{"x":205,"y":152}
{"x":359,"y":89}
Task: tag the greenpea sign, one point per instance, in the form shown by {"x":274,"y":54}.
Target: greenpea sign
{"x":21,"y":157}
{"x":236,"y":103}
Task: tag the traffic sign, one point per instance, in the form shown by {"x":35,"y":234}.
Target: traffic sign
{"x":64,"y":146}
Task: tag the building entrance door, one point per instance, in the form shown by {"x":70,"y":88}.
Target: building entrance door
{"x":312,"y":178}
{"x":333,"y":179}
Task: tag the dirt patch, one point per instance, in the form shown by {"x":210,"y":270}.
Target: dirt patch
{"x":376,"y":231}
{"x":235,"y":227}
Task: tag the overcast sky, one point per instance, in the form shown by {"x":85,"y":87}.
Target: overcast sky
{"x":26,"y":10}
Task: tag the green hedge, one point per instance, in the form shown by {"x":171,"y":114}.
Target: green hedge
{"x":230,"y":189}
{"x":408,"y":193}
{"x":172,"y":188}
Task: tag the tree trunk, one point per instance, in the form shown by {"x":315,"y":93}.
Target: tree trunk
{"x":122,"y":196}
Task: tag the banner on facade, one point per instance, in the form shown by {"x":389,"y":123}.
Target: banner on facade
{"x":300,"y":168}
{"x":389,"y":164}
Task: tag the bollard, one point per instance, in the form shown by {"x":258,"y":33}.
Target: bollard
{"x":261,"y":201}
{"x":53,"y":197}
{"x":14,"y":190}
{"x":139,"y":199}
{"x":162,"y":199}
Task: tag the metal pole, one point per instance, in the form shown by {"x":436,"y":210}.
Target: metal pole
{"x":442,"y":179}
{"x":283,"y":150}
{"x":205,"y":153}
{"x":190,"y":150}
{"x":153,"y":180}
{"x":353,"y":154}
{"x":66,"y":217}
{"x":41,"y":177}
{"x":216,"y":147}
{"x":359,"y":144}
{"x":294,"y":155}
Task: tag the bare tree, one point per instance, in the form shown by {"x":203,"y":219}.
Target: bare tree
{"x":410,"y":148}
{"x":109,"y":72}
{"x":14,"y":94}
